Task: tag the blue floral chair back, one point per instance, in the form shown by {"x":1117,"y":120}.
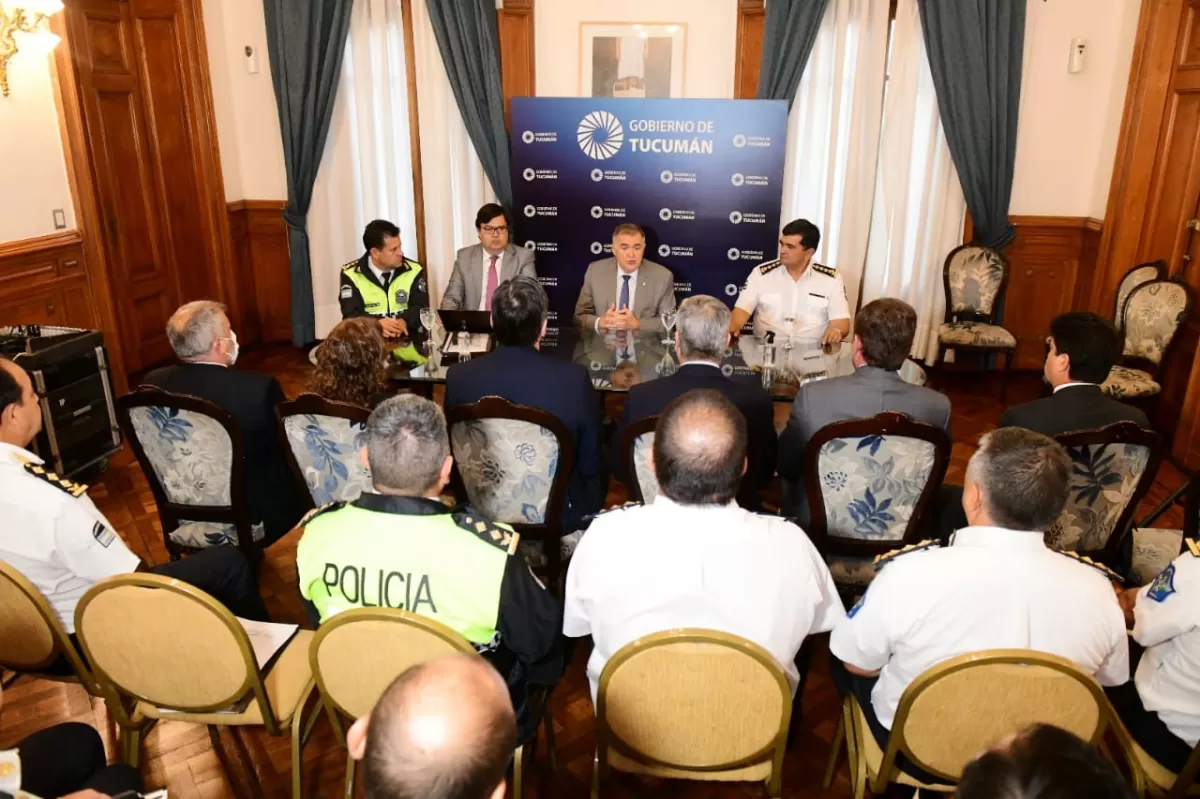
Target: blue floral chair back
{"x":637,"y":444}
{"x":870,"y":484}
{"x":323,"y":441}
{"x":1142,"y":273}
{"x":1111,"y":469}
{"x":1153,"y":314}
{"x":974,"y":278}
{"x":191,"y":452}
{"x":507,"y":467}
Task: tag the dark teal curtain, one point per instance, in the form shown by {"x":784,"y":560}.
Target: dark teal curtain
{"x":975,"y":50}
{"x":305,"y":42}
{"x":790,"y":30}
{"x":468,"y":37}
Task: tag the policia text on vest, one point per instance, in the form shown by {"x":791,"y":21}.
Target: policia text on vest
{"x":378,"y":588}
{"x":361,"y":294}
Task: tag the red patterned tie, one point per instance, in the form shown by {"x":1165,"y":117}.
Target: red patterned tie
{"x":493,"y":281}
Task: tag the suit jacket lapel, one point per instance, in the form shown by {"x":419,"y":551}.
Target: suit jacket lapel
{"x":611,"y":286}
{"x":508,"y":263}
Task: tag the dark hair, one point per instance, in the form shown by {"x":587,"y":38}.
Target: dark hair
{"x":1023,"y":476}
{"x":1091,"y":341}
{"x":376,"y":231}
{"x":518,"y":311}
{"x":10,"y":389}
{"x":630,"y":229}
{"x":700,"y":449}
{"x":350,"y":363}
{"x":489,"y":212}
{"x":810,"y":237}
{"x":886,"y":329}
{"x":1043,"y":762}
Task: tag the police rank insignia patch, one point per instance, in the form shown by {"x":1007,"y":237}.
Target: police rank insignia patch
{"x":498,"y":536}
{"x":1193,"y":546}
{"x":825,"y":270}
{"x":102,"y":534}
{"x":41,"y":472}
{"x":888,"y":557}
{"x":346,"y":293}
{"x":1100,"y":567}
{"x":769,"y":266}
{"x":1163,"y":585}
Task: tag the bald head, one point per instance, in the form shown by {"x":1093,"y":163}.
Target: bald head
{"x":700,"y":449}
{"x":442,"y":730}
{"x":199,"y":331}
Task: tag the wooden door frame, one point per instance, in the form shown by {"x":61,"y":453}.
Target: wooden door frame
{"x":84,"y":192}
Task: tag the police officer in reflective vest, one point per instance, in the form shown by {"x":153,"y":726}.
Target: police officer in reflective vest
{"x":383,"y":283}
{"x":398,"y":546}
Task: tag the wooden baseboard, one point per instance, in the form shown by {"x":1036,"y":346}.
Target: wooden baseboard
{"x":260,"y":244}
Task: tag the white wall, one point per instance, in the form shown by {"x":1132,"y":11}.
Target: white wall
{"x":711,"y":40}
{"x":1069,"y":123}
{"x":244,"y":103}
{"x":32,"y":170}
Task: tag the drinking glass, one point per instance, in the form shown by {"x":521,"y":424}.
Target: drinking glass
{"x":668,"y":320}
{"x":427,"y":318}
{"x":790,"y":321}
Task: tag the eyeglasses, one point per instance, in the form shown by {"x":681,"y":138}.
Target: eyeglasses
{"x":490,"y":229}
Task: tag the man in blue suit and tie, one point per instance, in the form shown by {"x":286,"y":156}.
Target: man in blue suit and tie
{"x":519,"y":373}
{"x":701,"y":337}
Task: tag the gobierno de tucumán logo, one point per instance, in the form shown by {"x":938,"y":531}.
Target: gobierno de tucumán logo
{"x":600,"y":135}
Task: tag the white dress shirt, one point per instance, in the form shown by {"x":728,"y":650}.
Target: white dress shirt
{"x":774,"y":297}
{"x":1167,"y":622}
{"x":645,"y":569}
{"x":991,"y":589}
{"x":377,"y":271}
{"x":60,"y":543}
{"x":484,"y":300}
{"x":1068,"y":385}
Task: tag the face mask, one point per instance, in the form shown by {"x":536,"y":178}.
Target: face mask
{"x":233,"y":354}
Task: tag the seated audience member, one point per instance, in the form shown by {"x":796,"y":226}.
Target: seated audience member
{"x":794,"y":295}
{"x":54,"y":535}
{"x":383,"y":283}
{"x":199,"y":333}
{"x":693,"y":558}
{"x":883,"y":337}
{"x":625,"y":292}
{"x":701,"y":336}
{"x":442,"y":730}
{"x":480,"y":268}
{"x":1161,"y":707}
{"x":1042,"y":762}
{"x":66,"y":760}
{"x":350,"y":364}
{"x":400,"y":547}
{"x":997,"y":587}
{"x":516,"y":371}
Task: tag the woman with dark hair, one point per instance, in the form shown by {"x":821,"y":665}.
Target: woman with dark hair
{"x":351,"y":364}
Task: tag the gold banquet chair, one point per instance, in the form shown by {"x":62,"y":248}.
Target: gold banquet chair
{"x":31,"y":636}
{"x":959,"y":708}
{"x":693,"y":704}
{"x":1160,"y":781}
{"x":164,"y":650}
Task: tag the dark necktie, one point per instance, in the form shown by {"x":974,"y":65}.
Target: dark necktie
{"x":385,"y":279}
{"x":623,"y":303}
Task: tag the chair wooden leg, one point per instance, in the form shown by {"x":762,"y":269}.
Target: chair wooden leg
{"x":518,"y":772}
{"x":839,"y":737}
{"x":596,"y":776}
{"x":1008,"y":363}
{"x":351,"y":772}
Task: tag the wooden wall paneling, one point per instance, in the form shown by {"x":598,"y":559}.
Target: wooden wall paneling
{"x":260,"y":244}
{"x":751,"y":21}
{"x":517,"y":65}
{"x":1089,"y":258}
{"x":43,"y":281}
{"x":414,"y":127}
{"x":1044,"y":262}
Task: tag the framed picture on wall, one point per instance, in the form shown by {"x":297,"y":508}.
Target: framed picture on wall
{"x":632,"y":59}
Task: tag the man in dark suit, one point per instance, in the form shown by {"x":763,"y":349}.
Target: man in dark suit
{"x":883,"y":337}
{"x":1082,"y":350}
{"x":701,"y":336}
{"x":516,"y":371}
{"x":200,"y":334}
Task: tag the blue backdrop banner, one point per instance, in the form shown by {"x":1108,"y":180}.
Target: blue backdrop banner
{"x":703,"y":177}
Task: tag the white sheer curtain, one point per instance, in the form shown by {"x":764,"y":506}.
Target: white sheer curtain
{"x":919,"y":206}
{"x":833,"y":130}
{"x":366,"y":170}
{"x":454,"y":182}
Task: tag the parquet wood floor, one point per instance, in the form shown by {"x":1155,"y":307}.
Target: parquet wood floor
{"x":180,"y":757}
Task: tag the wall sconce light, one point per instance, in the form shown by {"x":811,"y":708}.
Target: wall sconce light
{"x":25,"y":16}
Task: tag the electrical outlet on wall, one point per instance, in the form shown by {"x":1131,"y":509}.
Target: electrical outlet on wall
{"x":60,"y":219}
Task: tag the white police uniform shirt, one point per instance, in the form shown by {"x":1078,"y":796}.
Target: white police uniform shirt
{"x":644,"y":569}
{"x":60,"y":542}
{"x":1167,"y":622}
{"x":773,"y":297}
{"x":991,"y":589}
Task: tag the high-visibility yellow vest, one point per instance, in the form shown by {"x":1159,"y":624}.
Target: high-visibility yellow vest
{"x":390,"y":302}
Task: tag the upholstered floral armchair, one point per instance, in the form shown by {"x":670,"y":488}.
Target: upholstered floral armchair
{"x":636,"y":446}
{"x":1111,"y":469}
{"x":1152,"y":315}
{"x":191,"y":453}
{"x":975,"y":277}
{"x":870,"y":485}
{"x":1142,"y":273}
{"x":323,"y":441}
{"x":1155,"y":547}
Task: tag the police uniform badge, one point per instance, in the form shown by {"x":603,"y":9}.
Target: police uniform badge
{"x":401,"y":297}
{"x":347,"y":292}
{"x":1163,"y":585}
{"x":421,"y":284}
{"x":853,"y":611}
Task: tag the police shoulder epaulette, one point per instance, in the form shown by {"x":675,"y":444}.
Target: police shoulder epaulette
{"x":888,"y":557}
{"x":1193,"y":546}
{"x":350,"y":265}
{"x":825,"y":270}
{"x":42,"y":473}
{"x":769,"y":266}
{"x":486,"y":531}
{"x":613,"y":509}
{"x":315,"y":512}
{"x":1100,"y":567}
